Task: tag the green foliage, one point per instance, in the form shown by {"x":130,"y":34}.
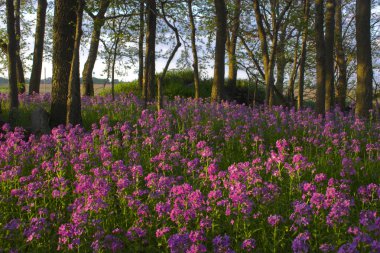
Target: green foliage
{"x":180,"y":83}
{"x":123,"y":88}
{"x":176,"y":83}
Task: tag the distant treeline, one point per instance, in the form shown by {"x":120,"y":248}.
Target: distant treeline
{"x":48,"y":80}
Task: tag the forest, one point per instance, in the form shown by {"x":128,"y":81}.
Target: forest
{"x":189,"y":126}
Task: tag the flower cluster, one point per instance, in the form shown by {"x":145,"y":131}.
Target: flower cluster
{"x":195,"y":177}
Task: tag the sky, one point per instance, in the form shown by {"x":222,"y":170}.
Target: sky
{"x":99,"y":69}
{"x":98,"y":72}
{"x":100,"y":66}
{"x":130,"y":74}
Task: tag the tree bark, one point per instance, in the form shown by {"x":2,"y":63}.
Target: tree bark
{"x":329,"y":40}
{"x":74,"y":116}
{"x":231,"y":44}
{"x":281,"y":60}
{"x":220,"y":47}
{"x":320,"y":56}
{"x":293,"y":74}
{"x":11,"y":54}
{"x":141,"y":44}
{"x":35,"y":77}
{"x":301,"y":80}
{"x":117,"y":34}
{"x":264,"y":50}
{"x":113,"y":68}
{"x":364,"y":89}
{"x":63,"y":46}
{"x":194,"y":48}
{"x":98,"y":20}
{"x":340,"y":57}
{"x":150,"y":52}
{"x":20,"y":69}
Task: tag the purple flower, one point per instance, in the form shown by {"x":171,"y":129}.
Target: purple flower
{"x":135,"y":232}
{"x":35,"y":228}
{"x":201,"y":144}
{"x":300,"y":243}
{"x":274,"y":220}
{"x":348,"y":248}
{"x":249,"y":245}
{"x":12,"y":224}
{"x":281,"y":145}
{"x":371,"y":221}
{"x":69,"y":235}
{"x":162,"y":208}
{"x":369,"y":193}
{"x":105,"y":153}
{"x":301,"y":214}
{"x":197,"y":248}
{"x":179,"y":243}
{"x":320,"y":177}
{"x":113,"y":243}
{"x":222,"y":244}
{"x":375,"y":246}
{"x":206,"y":152}
{"x":197,"y":236}
{"x":338,"y":211}
{"x":327,"y":248}
{"x":205,"y":223}
{"x":162,"y":231}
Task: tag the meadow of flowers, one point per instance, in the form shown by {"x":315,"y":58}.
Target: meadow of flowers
{"x":195,"y":177}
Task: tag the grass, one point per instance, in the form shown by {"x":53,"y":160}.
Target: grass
{"x":181,"y":83}
{"x":176,"y":83}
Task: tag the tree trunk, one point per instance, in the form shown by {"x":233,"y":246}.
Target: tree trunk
{"x":11,"y":53}
{"x":364,"y":89}
{"x":264,"y":48}
{"x":35,"y":77}
{"x":113,"y":68}
{"x":293,"y":74}
{"x":320,"y":56}
{"x":141,"y":44}
{"x":281,"y":65}
{"x":220,"y":47}
{"x":231,"y":44}
{"x":98,"y":20}
{"x":281,"y":60}
{"x":194,"y":48}
{"x":301,"y":80}
{"x":63,"y":46}
{"x":329,"y":40}
{"x":150,"y":52}
{"x":20,"y":69}
{"x":272,"y":61}
{"x":74,"y":116}
{"x":340,"y":57}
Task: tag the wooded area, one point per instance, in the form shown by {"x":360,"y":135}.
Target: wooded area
{"x":190,"y":126}
{"x":329,"y":46}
